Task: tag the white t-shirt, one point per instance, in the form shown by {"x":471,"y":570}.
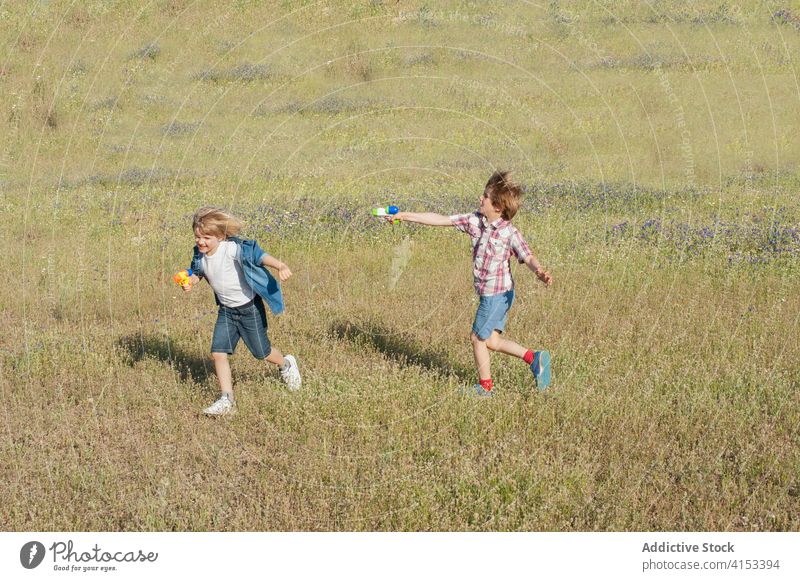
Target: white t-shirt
{"x":224,"y":274}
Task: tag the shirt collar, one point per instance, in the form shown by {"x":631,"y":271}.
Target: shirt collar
{"x":496,"y":225}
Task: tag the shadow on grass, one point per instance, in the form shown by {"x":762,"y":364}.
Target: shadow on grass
{"x":139,"y":347}
{"x":404,"y":350}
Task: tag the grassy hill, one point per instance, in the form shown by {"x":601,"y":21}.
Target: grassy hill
{"x":658,"y":145}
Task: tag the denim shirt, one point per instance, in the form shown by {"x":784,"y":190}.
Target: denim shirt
{"x":256,"y":275}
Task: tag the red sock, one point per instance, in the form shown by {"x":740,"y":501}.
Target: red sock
{"x":487,"y":384}
{"x":528,"y":357}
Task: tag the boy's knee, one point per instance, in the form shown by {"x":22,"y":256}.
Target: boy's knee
{"x":219,"y":356}
{"x":475,"y":339}
{"x":493,"y":342}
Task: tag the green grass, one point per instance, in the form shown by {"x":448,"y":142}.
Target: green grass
{"x":658,"y":147}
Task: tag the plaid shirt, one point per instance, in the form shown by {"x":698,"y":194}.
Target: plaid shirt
{"x":492,"y":247}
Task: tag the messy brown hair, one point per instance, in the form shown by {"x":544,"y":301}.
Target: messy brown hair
{"x":216,"y":222}
{"x":504,"y":194}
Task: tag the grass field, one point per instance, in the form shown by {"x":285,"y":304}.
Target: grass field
{"x":658,"y":145}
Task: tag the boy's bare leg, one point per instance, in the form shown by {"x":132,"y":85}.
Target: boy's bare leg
{"x":275,"y":357}
{"x":223,"y":370}
{"x":482,"y":357}
{"x":496,"y":343}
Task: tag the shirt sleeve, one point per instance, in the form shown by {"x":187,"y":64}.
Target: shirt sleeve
{"x":519,"y":247}
{"x":461,"y":222}
{"x":197,"y":263}
{"x":258,"y":253}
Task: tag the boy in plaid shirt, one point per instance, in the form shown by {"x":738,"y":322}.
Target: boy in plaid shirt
{"x":494,"y":241}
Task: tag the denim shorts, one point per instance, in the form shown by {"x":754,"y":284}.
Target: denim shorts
{"x":248,"y":322}
{"x":492,"y":314}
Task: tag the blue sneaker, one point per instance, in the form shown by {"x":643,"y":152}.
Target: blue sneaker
{"x":476,"y":390}
{"x":541,"y":369}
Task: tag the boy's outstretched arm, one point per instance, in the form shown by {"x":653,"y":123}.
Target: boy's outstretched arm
{"x":426,"y":218}
{"x":537,"y":269}
{"x":283,"y":271}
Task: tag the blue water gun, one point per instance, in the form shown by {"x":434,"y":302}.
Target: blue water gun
{"x":390,"y":211}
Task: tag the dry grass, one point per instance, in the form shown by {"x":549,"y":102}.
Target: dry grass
{"x":675,"y":404}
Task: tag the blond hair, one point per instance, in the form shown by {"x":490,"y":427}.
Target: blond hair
{"x":216,"y":222}
{"x":504,"y":194}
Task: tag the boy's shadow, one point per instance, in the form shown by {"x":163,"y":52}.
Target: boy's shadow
{"x":139,"y":347}
{"x":405,"y":351}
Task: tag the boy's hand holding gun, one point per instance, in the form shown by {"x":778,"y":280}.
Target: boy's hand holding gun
{"x":186,"y":279}
{"x":389,"y":213}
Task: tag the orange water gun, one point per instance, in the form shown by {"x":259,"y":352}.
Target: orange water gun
{"x":183,"y":279}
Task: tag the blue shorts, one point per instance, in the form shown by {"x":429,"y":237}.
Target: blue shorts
{"x":248,"y":322}
{"x":492,"y":314}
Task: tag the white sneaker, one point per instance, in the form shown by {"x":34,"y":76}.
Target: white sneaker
{"x":221,"y":407}
{"x":291,"y":375}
